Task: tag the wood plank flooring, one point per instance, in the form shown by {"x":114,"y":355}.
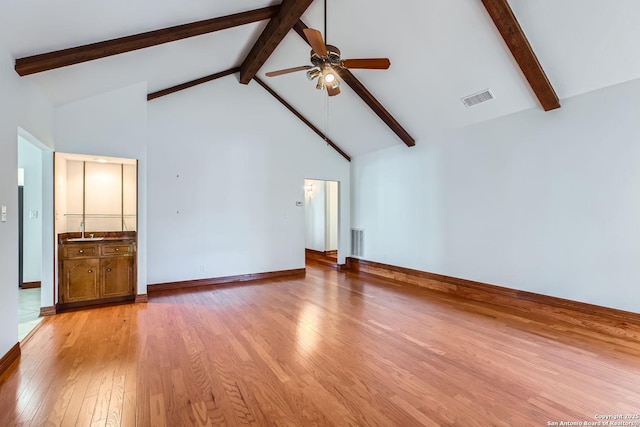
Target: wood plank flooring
{"x":329,"y":349}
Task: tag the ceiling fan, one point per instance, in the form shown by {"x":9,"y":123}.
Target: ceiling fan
{"x":327,"y":63}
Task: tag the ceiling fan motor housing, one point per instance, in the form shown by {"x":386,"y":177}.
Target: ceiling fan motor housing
{"x":332,"y":58}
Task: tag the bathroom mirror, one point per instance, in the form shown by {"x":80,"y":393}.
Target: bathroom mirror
{"x":95,"y":193}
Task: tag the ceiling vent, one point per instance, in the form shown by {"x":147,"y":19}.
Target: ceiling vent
{"x":477,"y":98}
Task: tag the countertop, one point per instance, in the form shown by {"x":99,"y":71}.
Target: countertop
{"x":109,"y":236}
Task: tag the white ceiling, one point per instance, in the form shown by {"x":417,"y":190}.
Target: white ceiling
{"x":440,"y":51}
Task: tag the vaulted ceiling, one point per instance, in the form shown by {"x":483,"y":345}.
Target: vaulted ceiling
{"x":439,"y":51}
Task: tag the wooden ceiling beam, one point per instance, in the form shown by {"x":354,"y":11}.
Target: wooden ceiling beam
{"x":517,"y":42}
{"x":275,"y":31}
{"x":192,"y":83}
{"x":89,"y":52}
{"x":368,"y":98}
{"x":299,"y":28}
{"x":302,"y":118}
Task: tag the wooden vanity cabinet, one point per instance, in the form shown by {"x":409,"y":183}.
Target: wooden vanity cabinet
{"x":96,"y":271}
{"x":116,"y":270}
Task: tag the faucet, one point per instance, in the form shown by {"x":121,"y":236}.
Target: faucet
{"x":82,"y":228}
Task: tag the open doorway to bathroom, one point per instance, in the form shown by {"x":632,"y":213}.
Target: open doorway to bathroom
{"x":321,"y":210}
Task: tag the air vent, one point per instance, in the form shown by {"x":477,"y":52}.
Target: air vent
{"x":477,"y":98}
{"x":357,"y":242}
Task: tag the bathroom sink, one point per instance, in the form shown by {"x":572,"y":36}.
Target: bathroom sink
{"x":85,"y":239}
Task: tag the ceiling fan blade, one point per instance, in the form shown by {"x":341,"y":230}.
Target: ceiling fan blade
{"x":314,"y":37}
{"x":288,"y":70}
{"x":333,"y":91}
{"x":367,"y":63}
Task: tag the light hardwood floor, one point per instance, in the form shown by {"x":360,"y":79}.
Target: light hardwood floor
{"x":329,"y":349}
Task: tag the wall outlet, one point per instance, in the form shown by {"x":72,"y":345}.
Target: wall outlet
{"x":3,"y":217}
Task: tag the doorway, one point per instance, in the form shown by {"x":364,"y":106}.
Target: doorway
{"x":95,"y":230}
{"x":321,"y":211}
{"x":30,"y":232}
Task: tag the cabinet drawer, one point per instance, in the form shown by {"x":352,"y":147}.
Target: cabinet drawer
{"x":80,"y":250}
{"x":116,"y":249}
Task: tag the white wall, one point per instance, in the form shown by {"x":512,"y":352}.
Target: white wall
{"x":30,"y":159}
{"x":48,"y":227}
{"x":333,"y":221}
{"x":543,"y":202}
{"x":315,"y":214}
{"x":20,"y":106}
{"x":62,"y":195}
{"x":112,"y":124}
{"x":227,"y":164}
{"x":129,"y":196}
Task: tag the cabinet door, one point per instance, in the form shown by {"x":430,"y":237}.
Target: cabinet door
{"x":116,"y":276}
{"x":80,"y":280}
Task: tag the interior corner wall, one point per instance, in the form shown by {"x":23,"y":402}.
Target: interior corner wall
{"x":30,"y":159}
{"x":21,"y":106}
{"x":112,"y":124}
{"x":546,"y":202}
{"x":227,"y":164}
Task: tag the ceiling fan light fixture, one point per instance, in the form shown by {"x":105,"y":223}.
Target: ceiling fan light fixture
{"x":320,"y":85}
{"x":329,"y":77}
{"x":313,"y":73}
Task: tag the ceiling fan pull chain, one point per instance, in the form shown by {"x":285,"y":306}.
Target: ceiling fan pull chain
{"x":326,"y":118}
